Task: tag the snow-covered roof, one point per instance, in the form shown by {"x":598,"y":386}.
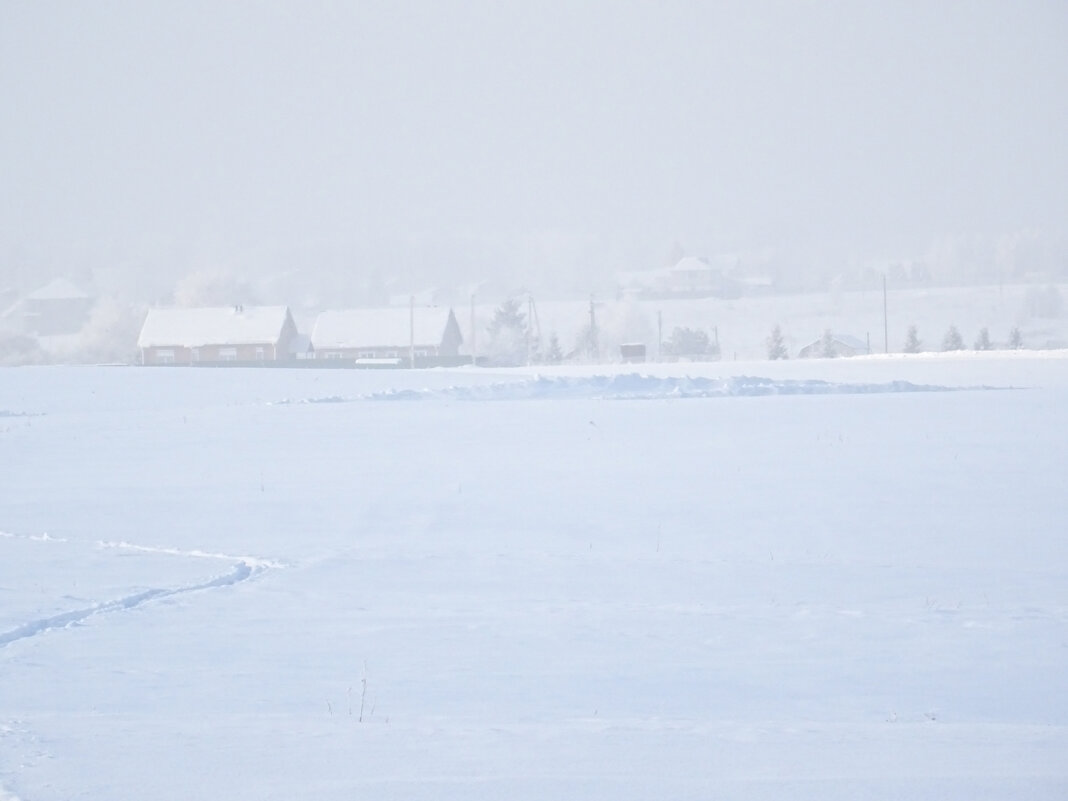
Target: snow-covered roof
{"x":687,"y":264}
{"x":356,"y":328}
{"x":58,"y":289}
{"x":849,"y":341}
{"x":692,"y":264}
{"x":641,"y":278}
{"x":224,"y":325}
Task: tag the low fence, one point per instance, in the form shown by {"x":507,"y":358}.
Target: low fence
{"x":424,"y":362}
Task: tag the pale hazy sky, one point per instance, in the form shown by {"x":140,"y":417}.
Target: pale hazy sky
{"x":392,"y":132}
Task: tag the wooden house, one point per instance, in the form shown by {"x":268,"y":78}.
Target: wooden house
{"x":248,"y":334}
{"x":421,"y":335}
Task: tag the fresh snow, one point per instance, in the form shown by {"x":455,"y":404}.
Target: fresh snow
{"x":819,"y":581}
{"x":226,"y":325}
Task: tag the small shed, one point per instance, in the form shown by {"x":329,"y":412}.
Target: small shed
{"x":632,"y":352}
{"x":217,"y":335}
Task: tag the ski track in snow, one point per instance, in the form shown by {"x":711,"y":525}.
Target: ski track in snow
{"x":246,"y":567}
{"x":632,"y":386}
{"x":32,"y":538}
{"x":254,"y":561}
{"x":242,"y":572}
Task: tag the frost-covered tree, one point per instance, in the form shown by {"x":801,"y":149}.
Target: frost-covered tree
{"x":19,"y":349}
{"x":827,"y":349}
{"x":952,"y":340}
{"x":508,"y":334}
{"x":1016,"y":339}
{"x":588,"y":343}
{"x":912,"y":341}
{"x":776,"y":345}
{"x":111,"y":333}
{"x":687,"y":342}
{"x":555,"y":354}
{"x":982,"y":342}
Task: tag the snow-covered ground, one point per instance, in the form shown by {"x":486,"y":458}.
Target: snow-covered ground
{"x":829,"y":579}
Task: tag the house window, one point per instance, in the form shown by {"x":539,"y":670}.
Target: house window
{"x":423,"y":352}
{"x":366,"y":354}
{"x":391,"y":354}
{"x":227,"y":354}
{"x":332,"y":354}
{"x":196,"y":354}
{"x":164,"y":356}
{"x":260,"y":354}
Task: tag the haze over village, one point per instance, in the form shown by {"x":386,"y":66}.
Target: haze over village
{"x":359,"y":156}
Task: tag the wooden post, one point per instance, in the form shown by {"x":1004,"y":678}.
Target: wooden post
{"x":886,"y":329}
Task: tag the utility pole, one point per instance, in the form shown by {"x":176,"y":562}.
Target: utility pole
{"x":411,"y":331}
{"x":594,"y":350}
{"x":474,"y":341}
{"x":533,"y":330}
{"x":659,"y":335}
{"x":886,"y":329}
{"x":530,"y":324}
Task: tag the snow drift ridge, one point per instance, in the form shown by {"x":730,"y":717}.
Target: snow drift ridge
{"x":643,"y":387}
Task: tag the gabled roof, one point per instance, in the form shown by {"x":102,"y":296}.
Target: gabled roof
{"x":692,"y":264}
{"x":365,"y":328}
{"x":849,"y":341}
{"x":225,"y":325}
{"x":58,"y":289}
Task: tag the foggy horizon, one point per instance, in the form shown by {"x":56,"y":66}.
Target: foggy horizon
{"x":432,"y":142}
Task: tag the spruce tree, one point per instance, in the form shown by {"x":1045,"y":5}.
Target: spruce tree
{"x":555,"y":354}
{"x":1015,"y":339}
{"x":983,"y":341}
{"x":508,"y":334}
{"x":776,"y":345}
{"x":952,"y":340}
{"x":912,"y":341}
{"x":688,"y":342}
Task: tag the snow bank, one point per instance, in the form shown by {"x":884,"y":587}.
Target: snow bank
{"x":644,"y":387}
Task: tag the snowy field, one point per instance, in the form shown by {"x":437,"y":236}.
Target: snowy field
{"x":828,"y":580}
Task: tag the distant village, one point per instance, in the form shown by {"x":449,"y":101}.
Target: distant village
{"x":697,"y":309}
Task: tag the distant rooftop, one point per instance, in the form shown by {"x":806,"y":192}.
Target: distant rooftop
{"x":58,"y":289}
{"x":224,"y":325}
